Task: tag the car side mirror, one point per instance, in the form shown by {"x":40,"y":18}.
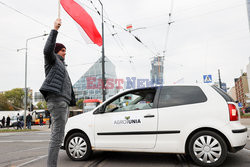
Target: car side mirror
{"x":100,"y":110}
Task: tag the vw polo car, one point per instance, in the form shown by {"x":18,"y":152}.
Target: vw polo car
{"x":201,"y":121}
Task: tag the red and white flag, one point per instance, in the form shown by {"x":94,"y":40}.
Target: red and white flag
{"x":85,"y":24}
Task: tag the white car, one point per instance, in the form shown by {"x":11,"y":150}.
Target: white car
{"x":197,"y":120}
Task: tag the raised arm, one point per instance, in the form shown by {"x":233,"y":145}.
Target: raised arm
{"x":48,"y":51}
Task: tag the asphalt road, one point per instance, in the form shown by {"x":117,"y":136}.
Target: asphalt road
{"x":29,"y":149}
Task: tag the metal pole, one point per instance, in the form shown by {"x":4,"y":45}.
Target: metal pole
{"x":103,"y":60}
{"x":59,"y":9}
{"x":26,"y":66}
{"x":25,"y":87}
{"x":219,"y":79}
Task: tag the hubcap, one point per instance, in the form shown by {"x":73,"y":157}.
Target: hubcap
{"x":207,"y":149}
{"x":77,"y":147}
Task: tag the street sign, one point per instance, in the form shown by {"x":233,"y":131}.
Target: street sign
{"x":207,"y":78}
{"x":240,"y":105}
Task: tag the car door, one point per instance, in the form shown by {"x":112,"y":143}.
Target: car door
{"x":128,"y":121}
{"x":178,"y":107}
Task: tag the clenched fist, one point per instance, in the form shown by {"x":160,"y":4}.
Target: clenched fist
{"x":57,"y":24}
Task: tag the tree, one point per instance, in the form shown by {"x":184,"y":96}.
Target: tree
{"x":41,"y":105}
{"x":79,"y":103}
{"x":15,"y":97}
{"x":4,"y":105}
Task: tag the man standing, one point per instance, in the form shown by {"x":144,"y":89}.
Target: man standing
{"x":57,"y":91}
{"x":49,"y":120}
{"x":28,"y":120}
{"x":19,"y":124}
{"x":3,"y":121}
{"x":8,"y":122}
{"x":41,"y":120}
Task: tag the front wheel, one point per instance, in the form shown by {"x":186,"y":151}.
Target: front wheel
{"x":207,"y":148}
{"x":78,"y":147}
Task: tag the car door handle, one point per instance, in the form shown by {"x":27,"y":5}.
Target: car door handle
{"x":149,"y":116}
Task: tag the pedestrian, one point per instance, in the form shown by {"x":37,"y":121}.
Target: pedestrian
{"x":8,"y":122}
{"x":19,"y":124}
{"x":49,"y":120}
{"x":41,"y":119}
{"x":28,"y":121}
{"x":3,"y":121}
{"x":57,"y":90}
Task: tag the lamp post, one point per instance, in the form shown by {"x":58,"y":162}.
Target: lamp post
{"x":25,"y":92}
{"x":103,"y":60}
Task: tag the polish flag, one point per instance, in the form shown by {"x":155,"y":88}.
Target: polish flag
{"x":85,"y":24}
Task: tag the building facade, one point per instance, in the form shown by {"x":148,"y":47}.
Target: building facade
{"x":232,"y":93}
{"x":88,"y":86}
{"x":156,"y":72}
{"x":248,"y":73}
{"x":241,"y":89}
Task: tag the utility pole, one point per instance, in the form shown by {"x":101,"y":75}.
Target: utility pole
{"x":26,"y":66}
{"x":103,"y":60}
{"x":219,"y":79}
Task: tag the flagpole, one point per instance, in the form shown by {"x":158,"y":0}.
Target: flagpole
{"x":59,"y":9}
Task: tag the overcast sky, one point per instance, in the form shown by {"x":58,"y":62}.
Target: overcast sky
{"x":206,"y":35}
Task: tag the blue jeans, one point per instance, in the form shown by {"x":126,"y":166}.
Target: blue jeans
{"x":59,"y":116}
{"x":29,"y":125}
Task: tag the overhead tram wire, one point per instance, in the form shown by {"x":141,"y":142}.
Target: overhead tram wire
{"x":121,"y":45}
{"x":210,"y":12}
{"x":119,"y":26}
{"x":112,"y":34}
{"x":116,"y":33}
{"x":184,"y":19}
{"x":211,"y":3}
{"x":35,"y":20}
{"x":178,"y":12}
{"x":123,"y":48}
{"x":169,"y":25}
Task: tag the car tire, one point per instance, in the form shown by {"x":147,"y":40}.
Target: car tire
{"x":78,"y":147}
{"x":207,"y":148}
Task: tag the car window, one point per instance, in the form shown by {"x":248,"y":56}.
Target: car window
{"x":137,"y":100}
{"x":180,"y":95}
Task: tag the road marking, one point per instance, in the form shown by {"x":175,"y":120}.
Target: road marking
{"x":38,"y":148}
{"x":24,"y":133}
{"x":4,"y":164}
{"x":45,"y":133}
{"x":36,"y":159}
{"x":23,"y":141}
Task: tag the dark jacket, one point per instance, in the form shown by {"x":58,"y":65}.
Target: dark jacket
{"x":41,"y":118}
{"x":55,"y":71}
{"x":28,"y":118}
{"x":8,"y":121}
